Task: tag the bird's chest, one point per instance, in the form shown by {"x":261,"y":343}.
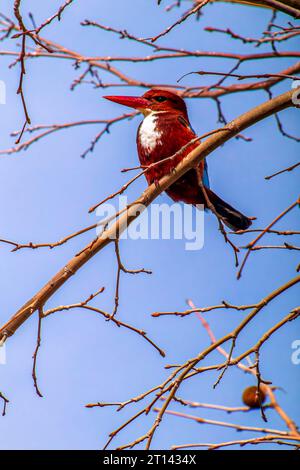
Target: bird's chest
{"x":154,"y":142}
{"x":150,"y":137}
{"x":159,"y":138}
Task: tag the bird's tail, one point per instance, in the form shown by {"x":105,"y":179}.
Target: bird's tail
{"x":231,"y":217}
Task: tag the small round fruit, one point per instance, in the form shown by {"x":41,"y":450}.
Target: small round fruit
{"x":253,"y":398}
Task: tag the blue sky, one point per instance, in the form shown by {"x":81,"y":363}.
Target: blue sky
{"x":45,"y":193}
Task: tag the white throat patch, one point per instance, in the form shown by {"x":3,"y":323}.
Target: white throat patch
{"x":149,"y":135}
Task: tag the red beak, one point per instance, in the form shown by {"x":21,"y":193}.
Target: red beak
{"x":130,"y":101}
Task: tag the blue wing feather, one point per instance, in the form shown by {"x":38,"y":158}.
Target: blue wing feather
{"x":205,"y":175}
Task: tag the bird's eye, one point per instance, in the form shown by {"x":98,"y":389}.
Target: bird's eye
{"x":160,"y":99}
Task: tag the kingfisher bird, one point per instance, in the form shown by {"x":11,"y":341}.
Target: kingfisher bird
{"x":164,"y":131}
